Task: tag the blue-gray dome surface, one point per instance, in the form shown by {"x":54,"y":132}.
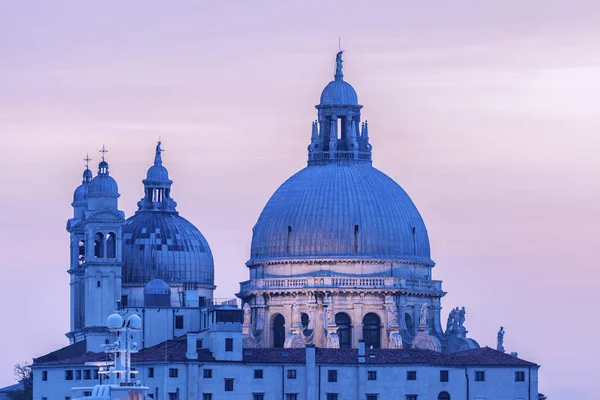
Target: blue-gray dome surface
{"x":340,"y":210}
{"x":81,"y":192}
{"x":157,"y":173}
{"x":163,"y":245}
{"x":339,"y":92}
{"x":157,"y":287}
{"x":103,"y":185}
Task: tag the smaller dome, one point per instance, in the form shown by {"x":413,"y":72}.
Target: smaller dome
{"x":80,"y":193}
{"x":114,"y":321}
{"x":157,"y":293}
{"x":157,"y":173}
{"x":157,"y":286}
{"x":103,"y":185}
{"x":339,"y":92}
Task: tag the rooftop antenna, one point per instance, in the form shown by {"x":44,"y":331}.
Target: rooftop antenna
{"x":87,"y":160}
{"x":103,"y":151}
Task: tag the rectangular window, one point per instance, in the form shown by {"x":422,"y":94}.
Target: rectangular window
{"x":150,"y":372}
{"x":124,"y":301}
{"x":258,"y":396}
{"x":332,"y":396}
{"x":77,"y":374}
{"x":444,"y":376}
{"x":96,"y":375}
{"x":479,"y":376}
{"x":206,"y":396}
{"x":229,"y":385}
{"x":207,"y":373}
{"x":44,"y":375}
{"x":520,"y":376}
{"x":411,"y":375}
{"x":198,"y":344}
{"x":258,"y":374}
{"x":228,"y":344}
{"x":87,"y":374}
{"x":69,"y":375}
{"x":411,"y":397}
{"x":291,"y":374}
{"x":173,"y":372}
{"x":179,"y":322}
{"x":291,"y":396}
{"x":87,"y":393}
{"x":332,"y":375}
{"x":371,"y":397}
{"x":372,"y":375}
{"x":172,"y":396}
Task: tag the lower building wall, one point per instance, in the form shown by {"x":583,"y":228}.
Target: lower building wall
{"x":190,"y":381}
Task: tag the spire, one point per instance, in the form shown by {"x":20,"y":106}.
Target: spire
{"x":339,"y":75}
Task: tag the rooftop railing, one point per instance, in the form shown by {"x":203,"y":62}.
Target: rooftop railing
{"x":341,"y":282}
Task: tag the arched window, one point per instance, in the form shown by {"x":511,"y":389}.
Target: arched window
{"x":372,"y":331}
{"x":305,"y":321}
{"x":342,"y":321}
{"x":111,"y":245}
{"x":81,"y":253}
{"x":278,"y":331}
{"x":444,"y":396}
{"x":99,"y":245}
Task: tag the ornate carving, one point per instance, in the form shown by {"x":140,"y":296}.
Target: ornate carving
{"x":296,"y":316}
{"x":247,"y":315}
{"x":392,"y":315}
{"x":294,"y":342}
{"x":425,"y":341}
{"x":333,"y":340}
{"x":395,"y":340}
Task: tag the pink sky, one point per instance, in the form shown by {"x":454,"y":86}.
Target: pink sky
{"x":485,"y":112}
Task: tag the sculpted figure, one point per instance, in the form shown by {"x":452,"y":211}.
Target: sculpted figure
{"x":450,"y":322}
{"x":461,"y":317}
{"x":338,"y":63}
{"x":423,"y":316}
{"x":500,"y":344}
{"x":247,"y":314}
{"x":392,"y":314}
{"x":296,"y":315}
{"x":330,"y":316}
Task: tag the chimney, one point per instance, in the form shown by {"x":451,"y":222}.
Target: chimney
{"x":361,"y":351}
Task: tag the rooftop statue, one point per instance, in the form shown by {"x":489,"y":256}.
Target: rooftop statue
{"x":500,"y":343}
{"x":338,"y":64}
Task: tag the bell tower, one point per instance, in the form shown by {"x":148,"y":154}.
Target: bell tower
{"x":98,"y":265}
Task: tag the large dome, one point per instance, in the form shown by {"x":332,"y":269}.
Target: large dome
{"x":163,"y":245}
{"x":340,"y":210}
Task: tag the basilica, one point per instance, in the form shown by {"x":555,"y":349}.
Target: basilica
{"x":340,"y":278}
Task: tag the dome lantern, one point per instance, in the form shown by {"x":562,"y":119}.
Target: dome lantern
{"x":157,"y":187}
{"x":336,"y":134}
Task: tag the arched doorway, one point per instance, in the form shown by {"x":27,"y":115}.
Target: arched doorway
{"x":444,"y":396}
{"x":278,"y":331}
{"x":372,"y":331}
{"x":342,"y":321}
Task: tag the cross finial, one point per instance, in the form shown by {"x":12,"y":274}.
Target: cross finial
{"x":87,"y":160}
{"x":103,"y":151}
